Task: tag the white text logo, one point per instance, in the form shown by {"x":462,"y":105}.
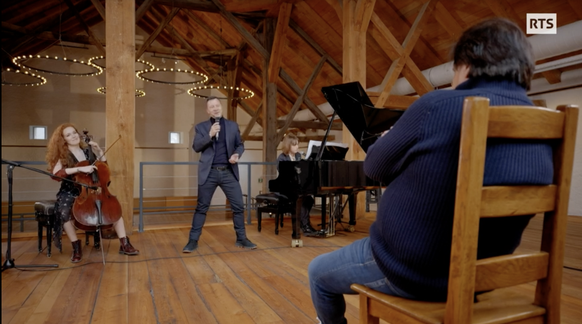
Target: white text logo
{"x":541,"y":23}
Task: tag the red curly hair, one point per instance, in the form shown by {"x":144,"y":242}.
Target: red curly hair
{"x":57,"y":148}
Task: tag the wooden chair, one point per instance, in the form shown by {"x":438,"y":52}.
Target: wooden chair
{"x":467,"y":274}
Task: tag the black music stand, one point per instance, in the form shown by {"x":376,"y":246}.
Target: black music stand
{"x":330,"y":152}
{"x":9,"y":263}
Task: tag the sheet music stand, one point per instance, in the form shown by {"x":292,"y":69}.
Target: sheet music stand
{"x":330,"y":152}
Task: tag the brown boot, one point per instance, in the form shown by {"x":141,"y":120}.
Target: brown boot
{"x":126,"y":247}
{"x":77,"y":251}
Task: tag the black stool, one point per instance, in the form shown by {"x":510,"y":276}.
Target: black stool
{"x":45,"y":216}
{"x":273,"y":203}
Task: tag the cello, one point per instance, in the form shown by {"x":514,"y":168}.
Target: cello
{"x":95,"y":208}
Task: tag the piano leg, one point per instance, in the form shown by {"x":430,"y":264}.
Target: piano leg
{"x":296,"y":240}
{"x":323,"y":212}
{"x":352,"y":201}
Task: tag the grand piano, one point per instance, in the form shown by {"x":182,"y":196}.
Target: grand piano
{"x":323,"y":174}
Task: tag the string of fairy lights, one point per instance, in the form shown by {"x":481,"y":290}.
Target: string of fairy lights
{"x":91,"y":67}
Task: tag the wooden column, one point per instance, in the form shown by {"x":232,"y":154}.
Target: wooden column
{"x":356,"y":17}
{"x":120,"y":102}
{"x":269,"y":107}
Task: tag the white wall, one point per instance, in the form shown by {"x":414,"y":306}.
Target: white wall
{"x":571,"y":97}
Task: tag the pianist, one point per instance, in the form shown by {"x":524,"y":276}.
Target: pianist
{"x":408,"y":250}
{"x":291,"y":153}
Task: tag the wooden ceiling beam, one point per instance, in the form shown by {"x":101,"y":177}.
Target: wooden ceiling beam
{"x":185,"y":52}
{"x":337,"y":5}
{"x":143,"y":8}
{"x":315,"y":46}
{"x":407,"y":46}
{"x":280,"y":41}
{"x":100,"y":9}
{"x":394,"y":101}
{"x":235,"y":72}
{"x":553,"y":76}
{"x":253,"y":42}
{"x":252,"y":122}
{"x":84,"y":39}
{"x":299,"y":100}
{"x":310,"y":105}
{"x":195,"y":60}
{"x":388,"y":43}
{"x":198,"y":5}
{"x":212,"y":73}
{"x":207,"y":28}
{"x":364,"y":10}
{"x":447,"y":21}
{"x":502,"y":8}
{"x":250,"y":6}
{"x":92,"y":38}
{"x":16,"y":28}
{"x":251,"y":112}
{"x":48,"y":23}
{"x":156,"y":32}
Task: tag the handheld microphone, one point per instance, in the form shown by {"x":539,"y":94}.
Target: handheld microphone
{"x":217,"y":120}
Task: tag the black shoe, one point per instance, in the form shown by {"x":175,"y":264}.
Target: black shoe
{"x":308,"y":230}
{"x":191,"y":246}
{"x":245,"y":244}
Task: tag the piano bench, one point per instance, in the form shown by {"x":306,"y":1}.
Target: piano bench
{"x":45,"y":216}
{"x":44,"y":212}
{"x":273,"y":203}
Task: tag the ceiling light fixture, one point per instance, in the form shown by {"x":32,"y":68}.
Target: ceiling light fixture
{"x":140,"y":76}
{"x":40,"y":79}
{"x":247,"y":93}
{"x":138,"y":92}
{"x":95,"y":58}
{"x":21,"y":61}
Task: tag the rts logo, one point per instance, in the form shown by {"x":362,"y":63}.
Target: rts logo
{"x":541,"y":23}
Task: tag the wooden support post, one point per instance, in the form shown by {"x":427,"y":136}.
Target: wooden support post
{"x":120,"y":102}
{"x":269,"y":106}
{"x":356,"y":18}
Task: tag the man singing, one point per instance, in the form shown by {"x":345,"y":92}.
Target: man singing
{"x":221,"y":145}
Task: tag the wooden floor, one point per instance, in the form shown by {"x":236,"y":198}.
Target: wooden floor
{"x":219,"y":283}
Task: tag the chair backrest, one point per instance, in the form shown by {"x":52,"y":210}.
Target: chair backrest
{"x":474,"y":201}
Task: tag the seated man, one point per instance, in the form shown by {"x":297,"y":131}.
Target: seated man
{"x":407,"y":253}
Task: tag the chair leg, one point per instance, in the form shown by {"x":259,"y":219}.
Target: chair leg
{"x":39,"y":236}
{"x":49,"y":239}
{"x":277,"y":215}
{"x":259,"y":217}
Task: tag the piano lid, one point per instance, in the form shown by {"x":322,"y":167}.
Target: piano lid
{"x":363,"y":120}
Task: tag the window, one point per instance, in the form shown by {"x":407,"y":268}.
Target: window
{"x":175,"y":138}
{"x":37,"y":132}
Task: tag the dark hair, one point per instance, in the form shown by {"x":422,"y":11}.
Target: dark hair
{"x":498,"y":49}
{"x":211,"y":98}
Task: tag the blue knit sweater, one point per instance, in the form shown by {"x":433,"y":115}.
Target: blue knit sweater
{"x":417,"y":160}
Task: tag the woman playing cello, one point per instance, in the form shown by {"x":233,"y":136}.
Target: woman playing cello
{"x":65,"y":151}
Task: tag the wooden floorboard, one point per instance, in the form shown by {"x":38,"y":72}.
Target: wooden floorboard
{"x":218,"y":283}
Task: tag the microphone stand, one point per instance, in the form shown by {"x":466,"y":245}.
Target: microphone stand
{"x":9,"y":263}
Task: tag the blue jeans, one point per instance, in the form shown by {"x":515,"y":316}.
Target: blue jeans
{"x":331,"y":274}
{"x":231,"y":187}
